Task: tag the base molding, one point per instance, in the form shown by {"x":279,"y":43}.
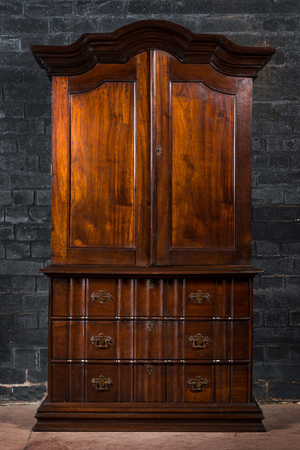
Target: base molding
{"x":75,"y":416}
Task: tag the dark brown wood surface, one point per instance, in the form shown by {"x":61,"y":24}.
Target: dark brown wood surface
{"x":150,"y":317}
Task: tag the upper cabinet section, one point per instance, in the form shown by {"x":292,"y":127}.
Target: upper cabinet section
{"x":151,"y":147}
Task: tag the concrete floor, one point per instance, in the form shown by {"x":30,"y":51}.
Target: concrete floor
{"x":282,"y":423}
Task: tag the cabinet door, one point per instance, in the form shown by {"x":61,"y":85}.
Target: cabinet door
{"x":101,"y":206}
{"x":202,"y":123}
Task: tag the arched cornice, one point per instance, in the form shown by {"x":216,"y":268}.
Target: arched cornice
{"x":122,"y":44}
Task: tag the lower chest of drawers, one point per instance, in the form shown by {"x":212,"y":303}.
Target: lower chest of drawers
{"x":150,"y":340}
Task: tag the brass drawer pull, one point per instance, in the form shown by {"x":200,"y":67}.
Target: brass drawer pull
{"x":199,"y":297}
{"x":101,"y":296}
{"x":101,"y":341}
{"x":198,"y":384}
{"x":199,"y":342}
{"x":101,"y":383}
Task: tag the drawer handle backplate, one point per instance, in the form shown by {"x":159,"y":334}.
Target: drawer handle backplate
{"x":199,"y":342}
{"x":101,"y":341}
{"x":198,"y":384}
{"x":101,"y":296}
{"x":101,"y":383}
{"x":199,"y":297}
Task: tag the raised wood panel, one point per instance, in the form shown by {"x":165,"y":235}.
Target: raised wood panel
{"x":203,"y":158}
{"x":150,"y":339}
{"x":150,"y":297}
{"x":102,"y":167}
{"x":150,"y":385}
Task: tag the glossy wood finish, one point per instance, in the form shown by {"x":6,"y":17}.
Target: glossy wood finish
{"x":150,"y":318}
{"x":121,"y":45}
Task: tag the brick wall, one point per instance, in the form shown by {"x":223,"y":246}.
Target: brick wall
{"x":25,"y":146}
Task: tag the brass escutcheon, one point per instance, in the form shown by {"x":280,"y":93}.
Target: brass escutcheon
{"x":150,"y":284}
{"x":199,"y":296}
{"x":149,"y":369}
{"x":101,"y":383}
{"x":149,"y":326}
{"x":158,"y":150}
{"x":101,"y":341}
{"x":197,"y":384}
{"x":101,"y":296}
{"x":199,"y":342}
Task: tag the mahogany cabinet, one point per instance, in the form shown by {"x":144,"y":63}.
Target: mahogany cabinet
{"x":150,"y":316}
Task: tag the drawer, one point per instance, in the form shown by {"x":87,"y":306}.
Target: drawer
{"x":173,"y":383}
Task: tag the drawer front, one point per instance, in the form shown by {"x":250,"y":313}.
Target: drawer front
{"x":109,"y":340}
{"x":174,"y":383}
{"x":92,"y":297}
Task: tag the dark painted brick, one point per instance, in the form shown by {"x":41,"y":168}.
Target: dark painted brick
{"x":9,"y":74}
{"x":23,"y":25}
{"x":35,"y":302}
{"x":5,"y":393}
{"x":293,"y":283}
{"x":258,"y":230}
{"x":275,"y":335}
{"x":23,"y":197}
{"x":288,"y":212}
{"x":7,"y":232}
{"x":11,"y":110}
{"x":43,"y":352}
{"x":42,"y":284}
{"x":259,"y":353}
{"x":278,"y":179}
{"x":292,"y":196}
{"x":264,"y":214}
{"x":43,"y":319}
{"x":23,"y":284}
{"x":288,"y":372}
{"x":276,"y":266}
{"x":41,"y":249}
{"x":11,"y":8}
{"x":3,"y":180}
{"x":7,"y":375}
{"x":37,"y":110}
{"x":87,"y":8}
{"x":277,"y":353}
{"x":260,"y":390}
{"x":284,"y":390}
{"x":276,"y":318}
{"x":278,"y":162}
{"x":17,"y":92}
{"x":10,"y":303}
{"x":6,"y":358}
{"x":25,"y":321}
{"x":291,"y":144}
{"x":274,"y":24}
{"x":264,"y":371}
{"x":16,"y":215}
{"x":265,"y":248}
{"x":26,"y":358}
{"x":153,"y":7}
{"x":28,"y":393}
{"x":284,"y":298}
{"x":30,"y":180}
{"x":47,"y":9}
{"x":291,"y":248}
{"x":5,"y":196}
{"x":295,"y":353}
{"x":32,"y":232}
{"x":267,"y":196}
{"x":295,"y":316}
{"x":22,"y":162}
{"x":37,"y":376}
{"x":17,"y":250}
{"x":19,"y":267}
{"x":4,"y":285}
{"x":34,"y":144}
{"x":258,"y":318}
{"x":44,"y":198}
{"x":283,"y":230}
{"x":6,"y":321}
{"x":272,"y":282}
{"x":30,"y":337}
{"x":8,"y":144}
{"x":40,"y":214}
